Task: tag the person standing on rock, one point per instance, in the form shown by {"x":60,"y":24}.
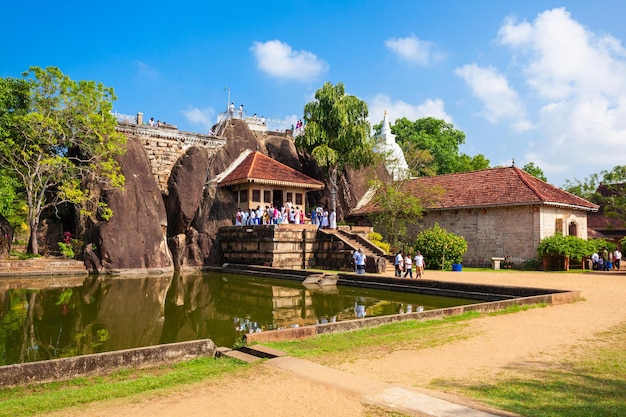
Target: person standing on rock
{"x":332,"y":220}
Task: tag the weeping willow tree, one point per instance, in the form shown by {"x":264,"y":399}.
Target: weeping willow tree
{"x":337,"y":133}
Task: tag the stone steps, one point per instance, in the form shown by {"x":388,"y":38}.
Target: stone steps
{"x":250,"y":354}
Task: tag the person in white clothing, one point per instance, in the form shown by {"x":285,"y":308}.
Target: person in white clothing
{"x":617,"y":259}
{"x":332,"y":220}
{"x":408,"y":266}
{"x":360,"y":260}
{"x":420,"y":264}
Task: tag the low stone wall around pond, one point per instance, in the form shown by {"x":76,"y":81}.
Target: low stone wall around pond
{"x":103,"y":363}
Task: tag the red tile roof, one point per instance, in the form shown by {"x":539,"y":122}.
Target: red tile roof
{"x":262,"y":169}
{"x":492,"y":187}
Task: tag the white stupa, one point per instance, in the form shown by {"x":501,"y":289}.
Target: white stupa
{"x":395,"y":163}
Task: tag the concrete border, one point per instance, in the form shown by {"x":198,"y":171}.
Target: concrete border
{"x":103,"y":363}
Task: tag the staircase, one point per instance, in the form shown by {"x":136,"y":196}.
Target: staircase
{"x":355,"y":242}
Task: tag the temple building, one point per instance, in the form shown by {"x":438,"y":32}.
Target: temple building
{"x":259,"y":180}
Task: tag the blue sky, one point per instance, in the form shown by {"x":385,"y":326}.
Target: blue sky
{"x":533,"y":81}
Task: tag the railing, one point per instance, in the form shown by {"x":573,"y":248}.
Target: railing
{"x":125,"y":118}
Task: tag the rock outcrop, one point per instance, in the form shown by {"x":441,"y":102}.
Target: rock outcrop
{"x":155,"y":229}
{"x":135,"y":237}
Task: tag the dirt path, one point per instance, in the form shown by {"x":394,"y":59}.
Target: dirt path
{"x":533,"y":336}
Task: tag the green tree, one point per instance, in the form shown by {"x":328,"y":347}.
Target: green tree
{"x":65,"y":138}
{"x":535,"y":171}
{"x":336,"y":133}
{"x":440,"y":248}
{"x":607,"y":189}
{"x":466,"y":163}
{"x":440,"y":140}
{"x":395,"y":208}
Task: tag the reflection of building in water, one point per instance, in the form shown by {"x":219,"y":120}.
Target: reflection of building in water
{"x":268,"y":306}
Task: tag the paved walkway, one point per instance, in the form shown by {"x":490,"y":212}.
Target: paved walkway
{"x":407,"y":400}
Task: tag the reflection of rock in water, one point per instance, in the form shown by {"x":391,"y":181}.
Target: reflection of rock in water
{"x":132,"y":310}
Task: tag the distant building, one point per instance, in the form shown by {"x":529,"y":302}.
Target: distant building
{"x":499,"y":211}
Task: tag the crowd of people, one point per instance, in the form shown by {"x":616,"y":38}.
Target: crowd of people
{"x":404,"y":265}
{"x":606,"y":260}
{"x":288,"y":213}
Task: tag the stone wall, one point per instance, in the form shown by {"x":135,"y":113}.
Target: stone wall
{"x":279,"y":246}
{"x":165,"y":145}
{"x":42,"y":266}
{"x":513,"y":231}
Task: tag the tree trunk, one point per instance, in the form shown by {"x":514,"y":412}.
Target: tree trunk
{"x":332,"y":176}
{"x":33,"y":245}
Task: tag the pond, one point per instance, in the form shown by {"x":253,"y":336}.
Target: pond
{"x":51,"y":317}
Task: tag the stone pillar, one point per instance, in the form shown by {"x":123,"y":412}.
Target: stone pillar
{"x":140,"y":118}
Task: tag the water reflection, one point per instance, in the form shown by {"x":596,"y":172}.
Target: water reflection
{"x":43,"y":318}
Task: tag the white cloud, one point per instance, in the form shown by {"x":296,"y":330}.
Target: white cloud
{"x":398,"y":109}
{"x":578,"y":79}
{"x":144,"y":70}
{"x":277,"y":59}
{"x":203,"y":117}
{"x":414,"y":50}
{"x":499,"y":99}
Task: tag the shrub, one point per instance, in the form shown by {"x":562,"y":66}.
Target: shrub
{"x":377,"y":239}
{"x":440,"y":248}
{"x":567,"y":246}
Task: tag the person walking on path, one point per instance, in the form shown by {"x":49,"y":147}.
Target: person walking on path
{"x":420,"y":264}
{"x":617,"y":259}
{"x":408,"y":266}
{"x":398,"y":263}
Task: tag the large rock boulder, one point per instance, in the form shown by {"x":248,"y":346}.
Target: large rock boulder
{"x":135,"y":237}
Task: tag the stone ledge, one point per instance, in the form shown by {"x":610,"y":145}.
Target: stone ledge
{"x":103,"y":363}
{"x":42,"y":266}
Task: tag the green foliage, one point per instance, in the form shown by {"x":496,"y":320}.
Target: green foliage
{"x":336,"y":133}
{"x":431,"y":147}
{"x":394,"y":210}
{"x":466,"y":163}
{"x":377,"y":239}
{"x":440,"y":248}
{"x":598,"y":244}
{"x":58,"y":135}
{"x":535,"y":171}
{"x":66,"y":250}
{"x":568,"y":246}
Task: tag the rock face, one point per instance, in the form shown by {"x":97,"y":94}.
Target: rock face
{"x":185,"y":191}
{"x":135,"y":237}
{"x":6,"y":237}
{"x":149,"y":233}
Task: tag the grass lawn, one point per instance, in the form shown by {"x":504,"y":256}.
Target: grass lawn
{"x":590,"y":382}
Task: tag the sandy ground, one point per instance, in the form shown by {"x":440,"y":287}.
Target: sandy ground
{"x":532,"y":337}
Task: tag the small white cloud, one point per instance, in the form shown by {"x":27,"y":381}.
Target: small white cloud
{"x":277,"y":59}
{"x":499,"y":99}
{"x":144,"y":70}
{"x":398,"y":109}
{"x":203,"y":117}
{"x":414,"y":50}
